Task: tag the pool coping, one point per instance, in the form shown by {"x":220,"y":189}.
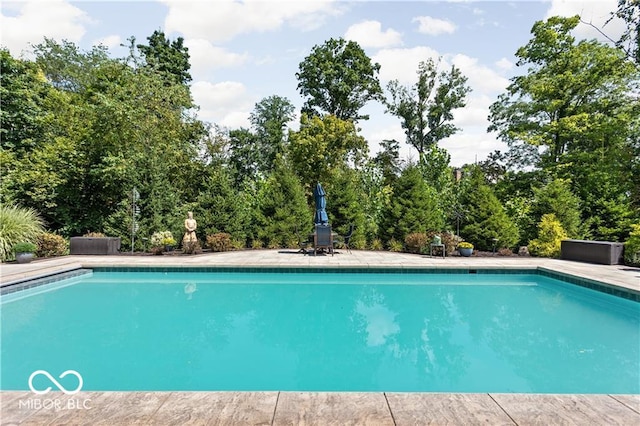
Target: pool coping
{"x":328,"y":407}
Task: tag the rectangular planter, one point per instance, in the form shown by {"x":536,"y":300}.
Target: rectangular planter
{"x":604,"y":252}
{"x":91,"y":245}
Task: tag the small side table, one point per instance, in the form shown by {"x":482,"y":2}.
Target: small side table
{"x":436,"y":246}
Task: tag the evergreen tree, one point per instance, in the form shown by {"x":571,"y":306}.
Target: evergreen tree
{"x":413,"y":207}
{"x":282,"y":207}
{"x":550,"y":236}
{"x":555,"y":197}
{"x":486,"y":219}
{"x":345,"y":205}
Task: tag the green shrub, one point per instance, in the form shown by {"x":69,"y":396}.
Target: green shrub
{"x":51,"y":245}
{"x":416,"y":242}
{"x":256,"y":244}
{"x":24,"y":247}
{"x":17,"y":225}
{"x":395,"y":245}
{"x":632,"y":247}
{"x":550,"y":236}
{"x":376,"y":244}
{"x":219,"y":242}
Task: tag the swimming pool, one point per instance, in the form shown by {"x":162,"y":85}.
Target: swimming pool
{"x":337,"y":331}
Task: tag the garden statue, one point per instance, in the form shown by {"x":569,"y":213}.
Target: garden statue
{"x":190,"y":229}
{"x":190,"y":242}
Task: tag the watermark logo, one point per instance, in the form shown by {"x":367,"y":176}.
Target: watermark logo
{"x":55,"y":382}
{"x":56,"y":404}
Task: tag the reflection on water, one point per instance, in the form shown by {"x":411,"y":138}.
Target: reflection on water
{"x":189,"y":289}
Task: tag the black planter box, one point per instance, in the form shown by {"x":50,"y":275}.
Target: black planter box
{"x":604,"y":252}
{"x":91,"y":245}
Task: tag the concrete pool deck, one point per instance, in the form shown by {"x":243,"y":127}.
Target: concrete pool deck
{"x":322,"y":408}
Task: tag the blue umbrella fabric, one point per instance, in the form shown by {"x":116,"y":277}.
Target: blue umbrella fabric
{"x":320,"y":218}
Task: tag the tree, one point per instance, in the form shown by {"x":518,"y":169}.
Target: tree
{"x":575,"y":96}
{"x":556,"y":198}
{"x":413,"y":207}
{"x":486,"y":219}
{"x":629,"y":41}
{"x":426,"y":109}
{"x":577,"y":109}
{"x":269,"y":120}
{"x":346,"y":203}
{"x":388,"y":160}
{"x":339,"y":79}
{"x":244,"y":155}
{"x":323,"y":145}
{"x":170,"y":58}
{"x":22,"y":111}
{"x":282,"y":207}
{"x":550,"y":236}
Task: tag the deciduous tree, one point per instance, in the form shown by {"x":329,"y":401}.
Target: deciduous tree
{"x":338,"y":78}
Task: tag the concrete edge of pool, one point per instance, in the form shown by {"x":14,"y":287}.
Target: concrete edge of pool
{"x":325,"y":408}
{"x":21,"y":407}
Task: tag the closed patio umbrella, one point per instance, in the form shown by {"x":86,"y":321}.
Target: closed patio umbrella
{"x":320,"y":217}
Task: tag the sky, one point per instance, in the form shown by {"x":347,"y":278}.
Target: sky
{"x":244,"y":51}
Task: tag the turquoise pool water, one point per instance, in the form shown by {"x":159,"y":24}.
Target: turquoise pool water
{"x":321,"y":332}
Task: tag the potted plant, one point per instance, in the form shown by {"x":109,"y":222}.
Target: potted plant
{"x":24,"y":252}
{"x":465,"y":249}
{"x":169,"y":243}
{"x":162,"y":241}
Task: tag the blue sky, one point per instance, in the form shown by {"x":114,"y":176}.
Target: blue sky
{"x":242,"y":52}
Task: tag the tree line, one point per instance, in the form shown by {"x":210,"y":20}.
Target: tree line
{"x":81,"y":129}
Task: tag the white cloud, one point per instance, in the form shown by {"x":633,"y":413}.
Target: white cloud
{"x":112,"y":41}
{"x":504,"y":64}
{"x":222,"y":20}
{"x":204,"y":56}
{"x":433,"y":26}
{"x":481,"y":78}
{"x":226,"y":103}
{"x":594,"y":12}
{"x":370,"y":34}
{"x":34,"y":20}
{"x":466,"y":147}
{"x":402,"y":64}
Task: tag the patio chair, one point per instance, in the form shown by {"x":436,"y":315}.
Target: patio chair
{"x":323,"y":239}
{"x":303,"y":243}
{"x":346,"y":240}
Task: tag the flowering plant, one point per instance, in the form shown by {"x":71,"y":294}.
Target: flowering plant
{"x":465,"y":245}
{"x":164,"y":238}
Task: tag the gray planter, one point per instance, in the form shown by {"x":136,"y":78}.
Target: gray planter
{"x":466,"y":252}
{"x":24,"y":257}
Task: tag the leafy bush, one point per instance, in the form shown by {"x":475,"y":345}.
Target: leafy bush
{"x":632,"y":247}
{"x":18,"y":225}
{"x":219,"y":242}
{"x":416,"y":242}
{"x":550,"y":236}
{"x":256,"y":244}
{"x":24,"y":247}
{"x":51,"y":245}
{"x":191,"y":247}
